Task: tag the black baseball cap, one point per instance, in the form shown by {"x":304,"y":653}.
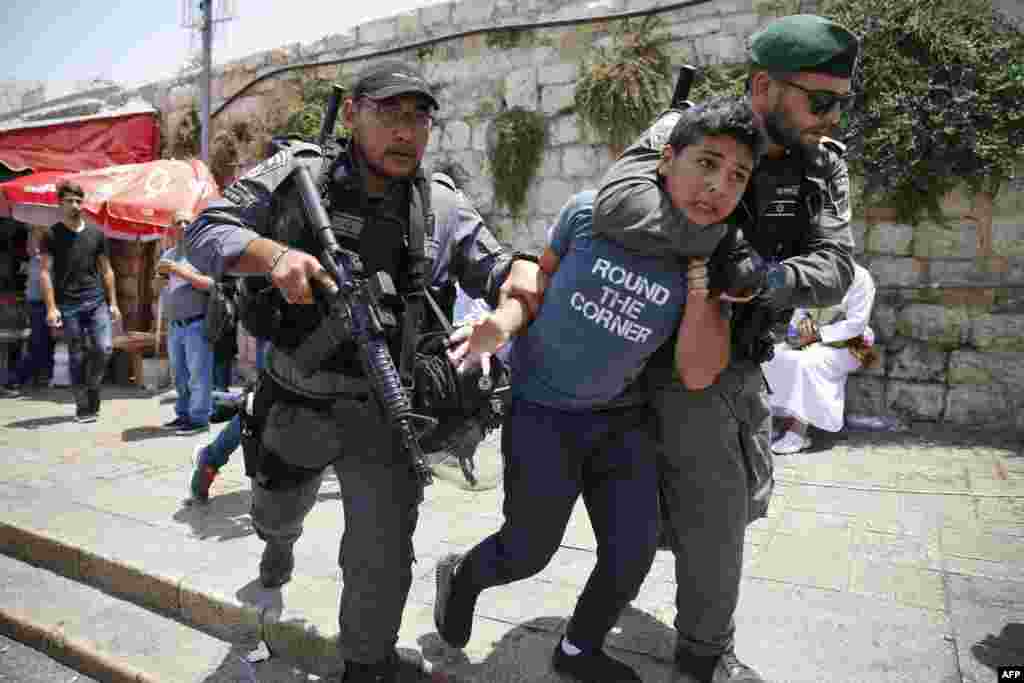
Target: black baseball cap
{"x":389,"y":78}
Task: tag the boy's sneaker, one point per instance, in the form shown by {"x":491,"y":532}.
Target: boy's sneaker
{"x":452,"y":617}
{"x":202,"y":477}
{"x":189,"y":428}
{"x":82,"y":418}
{"x":176,"y":423}
{"x":791,"y":443}
{"x":10,"y":391}
{"x":592,"y":667}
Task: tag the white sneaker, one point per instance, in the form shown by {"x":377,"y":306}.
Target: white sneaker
{"x":790,"y":443}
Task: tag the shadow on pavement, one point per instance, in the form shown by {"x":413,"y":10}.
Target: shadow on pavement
{"x":524,"y":653}
{"x":224,"y":518}
{"x":37,"y":422}
{"x":1005,"y":649}
{"x":143,"y":433}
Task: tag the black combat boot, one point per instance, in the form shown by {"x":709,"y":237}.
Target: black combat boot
{"x":399,"y":667}
{"x":277,"y":564}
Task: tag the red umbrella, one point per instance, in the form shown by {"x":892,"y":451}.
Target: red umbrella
{"x":133,"y":201}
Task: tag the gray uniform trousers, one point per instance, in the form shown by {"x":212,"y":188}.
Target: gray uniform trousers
{"x":716,"y":477}
{"x":380,"y":497}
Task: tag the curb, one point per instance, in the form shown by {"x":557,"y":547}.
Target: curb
{"x":216,"y":615}
{"x":72,"y":652}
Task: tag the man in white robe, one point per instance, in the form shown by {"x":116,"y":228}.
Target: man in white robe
{"x":808,"y":374}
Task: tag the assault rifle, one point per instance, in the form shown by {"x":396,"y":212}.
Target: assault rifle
{"x":359,"y":309}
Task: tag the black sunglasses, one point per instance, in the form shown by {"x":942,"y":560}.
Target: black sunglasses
{"x":822,"y":101}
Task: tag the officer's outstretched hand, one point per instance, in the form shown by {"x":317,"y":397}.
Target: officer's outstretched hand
{"x":474,"y":343}
{"x":292,"y":275}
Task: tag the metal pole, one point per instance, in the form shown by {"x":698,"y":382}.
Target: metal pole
{"x":207,"y":27}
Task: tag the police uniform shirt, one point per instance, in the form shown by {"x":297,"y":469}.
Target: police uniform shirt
{"x":605,"y":311}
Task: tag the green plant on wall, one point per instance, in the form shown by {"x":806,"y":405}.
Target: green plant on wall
{"x":723,"y":79}
{"x":305,"y":121}
{"x":519,"y":139}
{"x":940,"y":99}
{"x":185,"y":142}
{"x":625,"y":85}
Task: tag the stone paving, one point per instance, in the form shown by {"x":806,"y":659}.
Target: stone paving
{"x":885,"y":556}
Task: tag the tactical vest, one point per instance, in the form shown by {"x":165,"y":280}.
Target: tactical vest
{"x":395,"y":233}
{"x":785,"y":199}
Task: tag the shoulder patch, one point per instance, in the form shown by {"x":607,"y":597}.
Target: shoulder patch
{"x":833,"y":145}
{"x":267,"y":165}
{"x":443,"y":179}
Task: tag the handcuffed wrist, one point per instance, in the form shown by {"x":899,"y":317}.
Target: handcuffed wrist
{"x":277,"y":259}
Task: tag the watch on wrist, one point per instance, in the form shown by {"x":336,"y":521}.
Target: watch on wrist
{"x":525,"y":256}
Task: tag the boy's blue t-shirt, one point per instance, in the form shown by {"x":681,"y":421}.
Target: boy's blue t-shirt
{"x":604,"y":313}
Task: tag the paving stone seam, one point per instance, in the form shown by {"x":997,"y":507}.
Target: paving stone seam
{"x":890,"y":489}
{"x":75,"y":653}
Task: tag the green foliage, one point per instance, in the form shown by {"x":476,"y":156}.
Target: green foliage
{"x":507,"y":39}
{"x":725,"y":79}
{"x":520,"y":137}
{"x":940,"y":99}
{"x":224,"y":157}
{"x":307,"y":119}
{"x":625,"y":86}
{"x":187,"y":141}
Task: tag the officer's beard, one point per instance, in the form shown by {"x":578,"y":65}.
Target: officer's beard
{"x":783,"y":133}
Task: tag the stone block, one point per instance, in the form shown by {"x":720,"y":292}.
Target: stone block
{"x":552,"y":194}
{"x":579,"y":160}
{"x":521,"y":89}
{"x":556,"y":74}
{"x":557,"y":98}
{"x":1008,"y":236}
{"x":437,"y":16}
{"x":891,"y":238}
{"x":974,"y":367}
{"x":977,"y":405}
{"x":551,"y":164}
{"x":957,"y":240}
{"x":409,"y":25}
{"x":480,"y":133}
{"x":456,"y":136}
{"x":865,"y":395}
{"x":914,"y":401}
{"x":720,"y":48}
{"x":918,"y":361}
{"x":998,"y":332}
{"x":938,"y":325}
{"x":893,"y":270}
{"x":884,"y":318}
{"x":378,"y":31}
{"x":468,"y":14}
{"x":695,"y":27}
{"x":565,"y":130}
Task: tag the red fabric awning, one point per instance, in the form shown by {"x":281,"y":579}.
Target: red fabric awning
{"x":133,"y":201}
{"x":83,"y":144}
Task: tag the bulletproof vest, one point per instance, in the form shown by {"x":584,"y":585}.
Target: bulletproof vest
{"x":784,"y":196}
{"x":394,"y":233}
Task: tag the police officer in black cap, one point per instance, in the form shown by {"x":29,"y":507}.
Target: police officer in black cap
{"x":381,"y":207}
{"x":716,"y":460}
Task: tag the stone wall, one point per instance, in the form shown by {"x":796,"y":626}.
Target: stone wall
{"x":950,"y":353}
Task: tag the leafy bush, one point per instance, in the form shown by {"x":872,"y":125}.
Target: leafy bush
{"x":520,"y":137}
{"x":940,"y":99}
{"x":624,"y":86}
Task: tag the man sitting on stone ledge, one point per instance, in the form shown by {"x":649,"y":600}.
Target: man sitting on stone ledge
{"x":808,"y":373}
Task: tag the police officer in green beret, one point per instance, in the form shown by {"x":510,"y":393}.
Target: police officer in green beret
{"x":716,"y":460}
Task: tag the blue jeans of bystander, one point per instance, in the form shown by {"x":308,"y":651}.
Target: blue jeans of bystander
{"x":192,"y":359}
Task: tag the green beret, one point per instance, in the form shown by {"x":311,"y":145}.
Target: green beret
{"x":805,"y":42}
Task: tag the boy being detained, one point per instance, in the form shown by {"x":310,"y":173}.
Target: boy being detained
{"x":571,"y":427}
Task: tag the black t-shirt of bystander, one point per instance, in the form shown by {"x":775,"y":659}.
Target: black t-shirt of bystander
{"x":76,"y":277}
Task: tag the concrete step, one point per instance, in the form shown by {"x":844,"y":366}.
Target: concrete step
{"x":113,"y":640}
